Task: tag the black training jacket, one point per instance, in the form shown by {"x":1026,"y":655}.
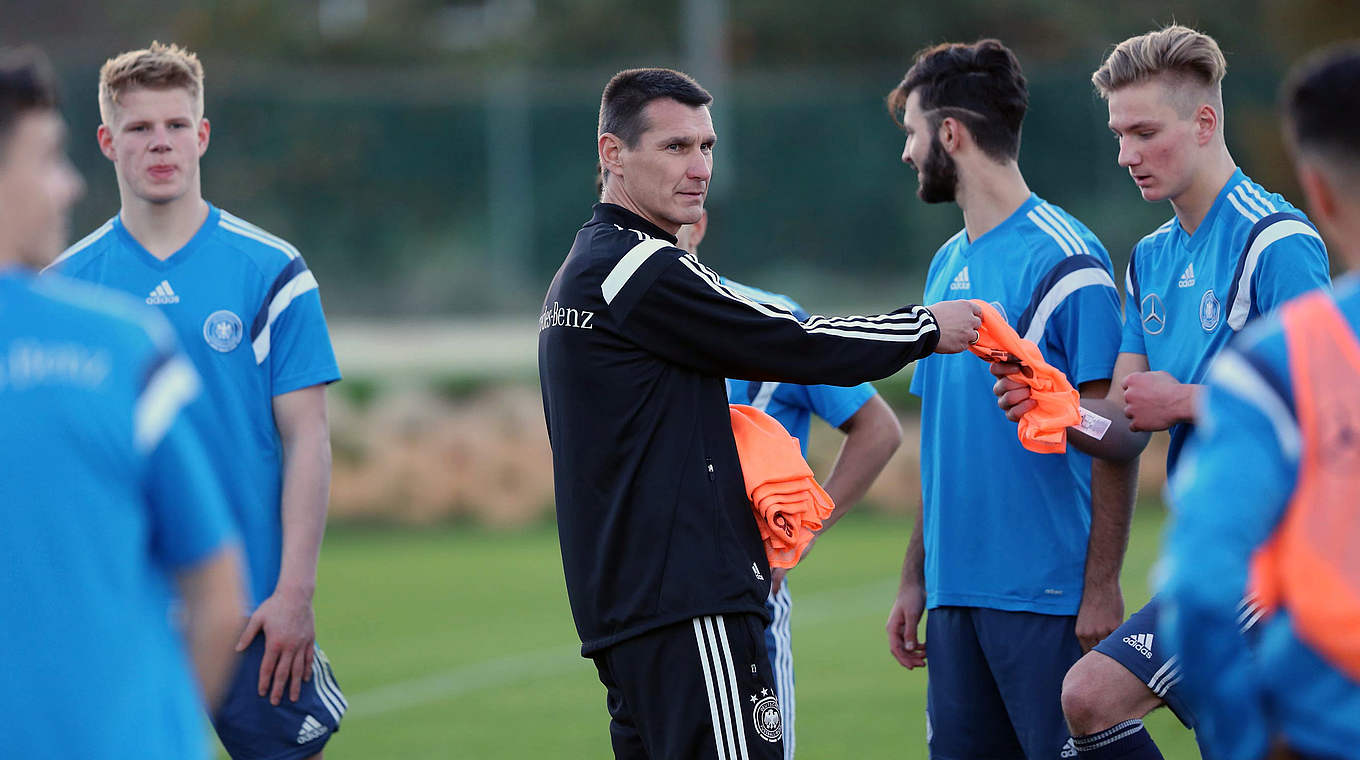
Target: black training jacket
{"x":634,"y":341}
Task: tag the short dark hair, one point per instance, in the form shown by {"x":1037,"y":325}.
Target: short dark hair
{"x":628,"y":92}
{"x":980,"y":84}
{"x":1321,"y":100}
{"x":26,"y":84}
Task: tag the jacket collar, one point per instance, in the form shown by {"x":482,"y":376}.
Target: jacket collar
{"x":609,"y":213}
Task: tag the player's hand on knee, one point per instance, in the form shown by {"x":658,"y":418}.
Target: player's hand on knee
{"x":1012,"y":395}
{"x":958,"y":322}
{"x":904,"y":624}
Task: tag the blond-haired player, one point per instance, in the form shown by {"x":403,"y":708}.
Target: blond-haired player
{"x":1231,"y":251}
{"x":248,"y":313}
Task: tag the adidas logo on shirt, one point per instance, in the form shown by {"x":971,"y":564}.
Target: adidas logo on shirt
{"x":311,"y":729}
{"x":1187,"y":277}
{"x":1142,"y":642}
{"x":960,"y":280}
{"x":163,"y":294}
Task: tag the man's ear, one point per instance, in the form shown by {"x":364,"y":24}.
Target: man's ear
{"x":104,"y":136}
{"x":611,"y":153}
{"x":1207,"y":120}
{"x":952,"y":134}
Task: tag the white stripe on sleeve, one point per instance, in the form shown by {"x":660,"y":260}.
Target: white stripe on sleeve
{"x":1235,"y":375}
{"x":1232,"y":198}
{"x":894,"y":328}
{"x":1240,"y":308}
{"x":1064,"y":287}
{"x":303,"y":282}
{"x":1046,"y":227}
{"x":628,"y":265}
{"x":1062,"y":225}
{"x":167,"y":391}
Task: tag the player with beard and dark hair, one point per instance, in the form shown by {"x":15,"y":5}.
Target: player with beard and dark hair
{"x":1014,"y":596}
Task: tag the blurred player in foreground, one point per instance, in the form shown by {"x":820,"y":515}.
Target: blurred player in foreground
{"x":1016,"y":554}
{"x":247,"y":310}
{"x":872,"y":435}
{"x":106,"y":498}
{"x":1266,"y":496}
{"x":665,"y":569}
{"x":1232,"y":251}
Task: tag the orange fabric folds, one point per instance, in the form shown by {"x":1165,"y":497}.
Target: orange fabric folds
{"x":788,"y":503}
{"x":1043,"y":429}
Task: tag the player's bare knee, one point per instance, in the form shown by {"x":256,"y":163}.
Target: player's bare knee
{"x":1098,"y":692}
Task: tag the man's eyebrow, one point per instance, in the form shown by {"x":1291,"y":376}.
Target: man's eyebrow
{"x":1137,"y":125}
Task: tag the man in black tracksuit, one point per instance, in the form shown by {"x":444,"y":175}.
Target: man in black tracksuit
{"x":665,"y":568}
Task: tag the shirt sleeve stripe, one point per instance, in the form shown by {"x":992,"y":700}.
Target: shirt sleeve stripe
{"x":84,"y":243}
{"x":1059,"y":223}
{"x":1235,"y":375}
{"x":171,"y":386}
{"x":300,"y":284}
{"x":1273,"y":229}
{"x":902,"y":327}
{"x":291,"y":271}
{"x":254,"y":233}
{"x":1070,"y":283}
{"x":1232,"y":198}
{"x":1044,"y":225}
{"x":628,"y":266}
{"x":1257,"y":208}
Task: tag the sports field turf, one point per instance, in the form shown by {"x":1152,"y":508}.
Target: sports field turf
{"x":458,"y":643}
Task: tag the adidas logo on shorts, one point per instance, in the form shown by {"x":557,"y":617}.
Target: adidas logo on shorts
{"x":1142,"y":642}
{"x":311,"y":729}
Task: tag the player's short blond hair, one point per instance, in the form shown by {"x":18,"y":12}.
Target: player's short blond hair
{"x":1179,"y":53}
{"x":158,"y":67}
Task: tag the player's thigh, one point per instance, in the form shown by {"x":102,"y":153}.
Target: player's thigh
{"x":1137,"y":649}
{"x":1029,"y":654}
{"x":250,"y":728}
{"x":965,"y":715}
{"x":700,"y":689}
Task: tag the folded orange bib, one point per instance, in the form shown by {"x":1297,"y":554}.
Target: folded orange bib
{"x":1042,"y":429}
{"x":788,"y":503}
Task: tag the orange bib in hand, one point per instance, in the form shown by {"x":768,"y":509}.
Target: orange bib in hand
{"x":1042,"y":429}
{"x":788,"y":503}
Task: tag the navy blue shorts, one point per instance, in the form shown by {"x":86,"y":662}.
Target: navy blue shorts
{"x":1136,"y":646}
{"x":252,"y":729}
{"x":995,"y":686}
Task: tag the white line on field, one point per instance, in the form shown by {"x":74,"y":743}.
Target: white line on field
{"x":812,"y":609}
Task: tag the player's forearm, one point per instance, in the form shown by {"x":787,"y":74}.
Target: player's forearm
{"x":869,"y":443}
{"x":213,"y":601}
{"x":306,"y":494}
{"x":1187,"y":406}
{"x":1114,"y":487}
{"x":1118,"y":443}
{"x":914,"y":564}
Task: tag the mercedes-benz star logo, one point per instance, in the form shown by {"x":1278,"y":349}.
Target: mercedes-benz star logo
{"x":1154,"y":314}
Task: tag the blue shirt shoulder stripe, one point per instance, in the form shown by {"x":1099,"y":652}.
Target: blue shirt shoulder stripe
{"x":1131,"y":278}
{"x":295,"y":267}
{"x":1050,"y":280}
{"x":1256,"y":230}
{"x":83,"y":244}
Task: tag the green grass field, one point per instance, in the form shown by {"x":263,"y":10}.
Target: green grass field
{"x":458,"y":643}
